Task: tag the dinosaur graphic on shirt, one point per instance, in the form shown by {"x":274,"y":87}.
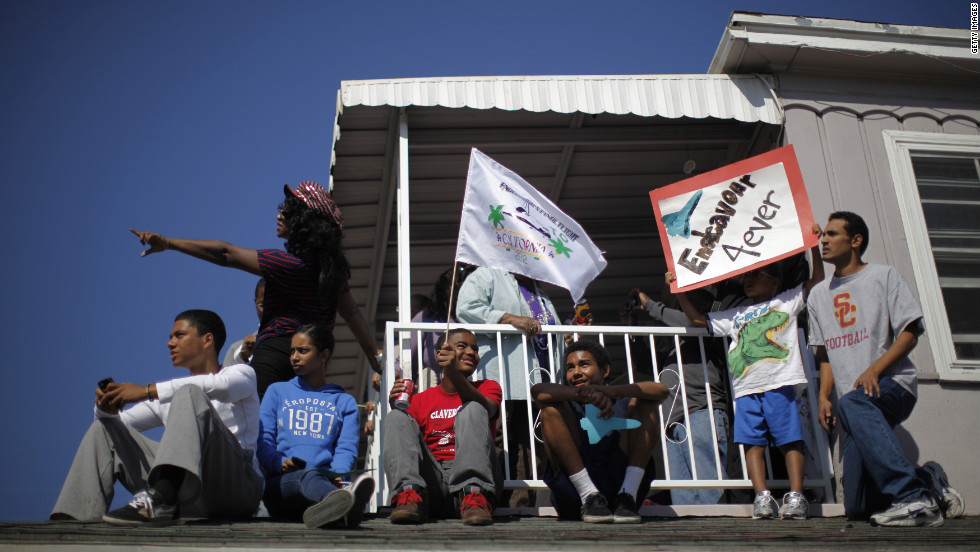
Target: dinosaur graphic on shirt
{"x":755,"y":342}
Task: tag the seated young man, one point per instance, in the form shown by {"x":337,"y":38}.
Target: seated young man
{"x":205,"y":461}
{"x":586,"y":478}
{"x":439,"y":455}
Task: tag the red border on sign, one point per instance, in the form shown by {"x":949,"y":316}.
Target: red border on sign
{"x":785,"y":155}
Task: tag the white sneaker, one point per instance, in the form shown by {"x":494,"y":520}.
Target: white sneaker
{"x":920,"y":512}
{"x":765,"y":506}
{"x":362,"y":488}
{"x":950,"y":500}
{"x":794,"y":506}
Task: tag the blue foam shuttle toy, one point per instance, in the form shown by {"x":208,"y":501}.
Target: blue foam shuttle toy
{"x":598,"y":427}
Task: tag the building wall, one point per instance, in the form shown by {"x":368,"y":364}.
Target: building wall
{"x":836,"y":125}
{"x":943,"y":427}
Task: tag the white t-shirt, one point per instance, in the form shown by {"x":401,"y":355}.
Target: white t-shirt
{"x":764,"y":352}
{"x":857,"y":317}
{"x":231,"y":392}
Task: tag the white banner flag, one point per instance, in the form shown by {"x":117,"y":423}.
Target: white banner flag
{"x":508,"y":224}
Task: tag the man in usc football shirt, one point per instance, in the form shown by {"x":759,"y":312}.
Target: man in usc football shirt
{"x":864,"y":322}
{"x":439,"y":455}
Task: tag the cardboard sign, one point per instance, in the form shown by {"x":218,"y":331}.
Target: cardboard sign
{"x":728,"y":221}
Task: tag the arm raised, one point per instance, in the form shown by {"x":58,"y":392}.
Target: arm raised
{"x":214,"y":251}
{"x":696,"y":317}
{"x":817,"y":275}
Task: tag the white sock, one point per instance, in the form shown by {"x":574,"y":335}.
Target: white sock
{"x":631,"y":482}
{"x":583,"y":484}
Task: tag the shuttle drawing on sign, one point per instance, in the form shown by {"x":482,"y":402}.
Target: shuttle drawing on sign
{"x":679,"y":223}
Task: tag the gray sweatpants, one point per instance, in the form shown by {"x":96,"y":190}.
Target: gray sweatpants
{"x":408,"y":460}
{"x":220,"y":479}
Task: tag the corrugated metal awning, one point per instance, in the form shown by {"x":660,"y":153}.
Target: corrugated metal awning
{"x":745,"y":98}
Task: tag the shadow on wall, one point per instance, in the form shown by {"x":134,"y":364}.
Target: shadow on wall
{"x":909,"y":446}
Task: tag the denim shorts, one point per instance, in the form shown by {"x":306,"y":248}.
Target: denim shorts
{"x":769,"y":418}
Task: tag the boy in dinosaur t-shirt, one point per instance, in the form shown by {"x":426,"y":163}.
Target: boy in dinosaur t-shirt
{"x":765,"y":364}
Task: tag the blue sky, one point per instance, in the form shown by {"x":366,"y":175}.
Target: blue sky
{"x":186,"y":118}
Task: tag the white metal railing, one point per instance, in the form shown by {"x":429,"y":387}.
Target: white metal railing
{"x":819,"y":466}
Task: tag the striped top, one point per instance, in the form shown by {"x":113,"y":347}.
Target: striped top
{"x":291,"y":295}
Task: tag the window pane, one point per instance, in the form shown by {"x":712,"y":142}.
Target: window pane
{"x":949,"y":188}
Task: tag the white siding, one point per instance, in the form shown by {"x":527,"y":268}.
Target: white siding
{"x":838,"y":136}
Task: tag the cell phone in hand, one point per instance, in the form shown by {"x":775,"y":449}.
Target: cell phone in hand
{"x":299,"y":462}
{"x":105,"y":383}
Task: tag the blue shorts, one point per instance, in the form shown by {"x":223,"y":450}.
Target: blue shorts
{"x":769,"y":418}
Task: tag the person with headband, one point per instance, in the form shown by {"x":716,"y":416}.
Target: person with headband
{"x":306,"y":282}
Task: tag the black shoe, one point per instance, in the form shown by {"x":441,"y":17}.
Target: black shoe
{"x":596,"y":509}
{"x":626,"y":509}
{"x":147,"y":508}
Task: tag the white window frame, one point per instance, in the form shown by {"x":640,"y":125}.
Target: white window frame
{"x":900,"y":146}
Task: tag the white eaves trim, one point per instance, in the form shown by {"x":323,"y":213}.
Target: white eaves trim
{"x":835,"y":34}
{"x":745,"y":98}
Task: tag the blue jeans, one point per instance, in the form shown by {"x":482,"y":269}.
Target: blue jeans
{"x":290,"y":494}
{"x":876,"y":472}
{"x":704,"y":453}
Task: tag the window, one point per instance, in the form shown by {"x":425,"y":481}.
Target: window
{"x":937,"y":180}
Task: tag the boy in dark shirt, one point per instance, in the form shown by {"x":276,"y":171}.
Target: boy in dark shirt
{"x":585,"y":478}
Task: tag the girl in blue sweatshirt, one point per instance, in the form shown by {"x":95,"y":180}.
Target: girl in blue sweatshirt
{"x":307,"y":425}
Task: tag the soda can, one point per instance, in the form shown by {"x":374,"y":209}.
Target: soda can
{"x":582,"y":310}
{"x":404,"y":399}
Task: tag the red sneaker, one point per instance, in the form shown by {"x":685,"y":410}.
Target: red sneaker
{"x":475,"y":509}
{"x":408,"y":507}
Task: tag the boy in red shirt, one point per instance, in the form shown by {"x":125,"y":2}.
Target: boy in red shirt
{"x":439,"y":454}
